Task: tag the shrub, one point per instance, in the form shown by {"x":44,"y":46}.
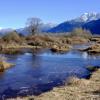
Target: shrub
{"x":81,"y":33}
{"x":12,"y":36}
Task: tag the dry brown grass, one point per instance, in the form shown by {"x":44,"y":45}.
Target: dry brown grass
{"x":13,"y":40}
{"x":93,"y":49}
{"x":4,"y":64}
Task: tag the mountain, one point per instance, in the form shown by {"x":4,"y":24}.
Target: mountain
{"x":93,"y":26}
{"x":24,"y":31}
{"x":87,"y":17}
{"x":46,"y":26}
{"x":88,"y":21}
{"x":4,"y":31}
{"x":42,"y":28}
{"x":75,"y":23}
{"x":66,"y":27}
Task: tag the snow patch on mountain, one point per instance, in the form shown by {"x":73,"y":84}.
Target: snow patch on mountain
{"x":87,"y":17}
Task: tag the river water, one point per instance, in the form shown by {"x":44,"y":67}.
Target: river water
{"x":40,"y":72}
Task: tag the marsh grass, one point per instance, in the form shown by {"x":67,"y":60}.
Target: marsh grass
{"x":2,"y":60}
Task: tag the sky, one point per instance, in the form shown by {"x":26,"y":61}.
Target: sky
{"x":14,"y":13}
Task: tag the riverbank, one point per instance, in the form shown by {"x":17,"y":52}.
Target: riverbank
{"x":76,"y":89}
{"x":56,"y":43}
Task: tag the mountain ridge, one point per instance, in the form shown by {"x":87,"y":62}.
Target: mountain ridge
{"x":84,"y":21}
{"x":68,"y":26}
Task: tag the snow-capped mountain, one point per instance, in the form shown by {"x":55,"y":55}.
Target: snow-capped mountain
{"x":87,"y":17}
{"x":42,"y":28}
{"x":68,"y":26}
{"x":47,"y":26}
{"x":5,"y":30}
{"x":93,"y":26}
{"x":24,"y":31}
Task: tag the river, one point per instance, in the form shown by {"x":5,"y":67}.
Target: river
{"x":40,"y":72}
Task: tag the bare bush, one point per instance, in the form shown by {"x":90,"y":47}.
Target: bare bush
{"x":12,"y":36}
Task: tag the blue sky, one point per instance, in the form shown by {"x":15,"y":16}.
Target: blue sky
{"x":13,"y":13}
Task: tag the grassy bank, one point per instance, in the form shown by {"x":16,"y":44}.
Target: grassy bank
{"x":62,"y":42}
{"x":4,"y":64}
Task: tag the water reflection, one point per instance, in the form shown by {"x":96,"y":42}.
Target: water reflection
{"x":85,"y":55}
